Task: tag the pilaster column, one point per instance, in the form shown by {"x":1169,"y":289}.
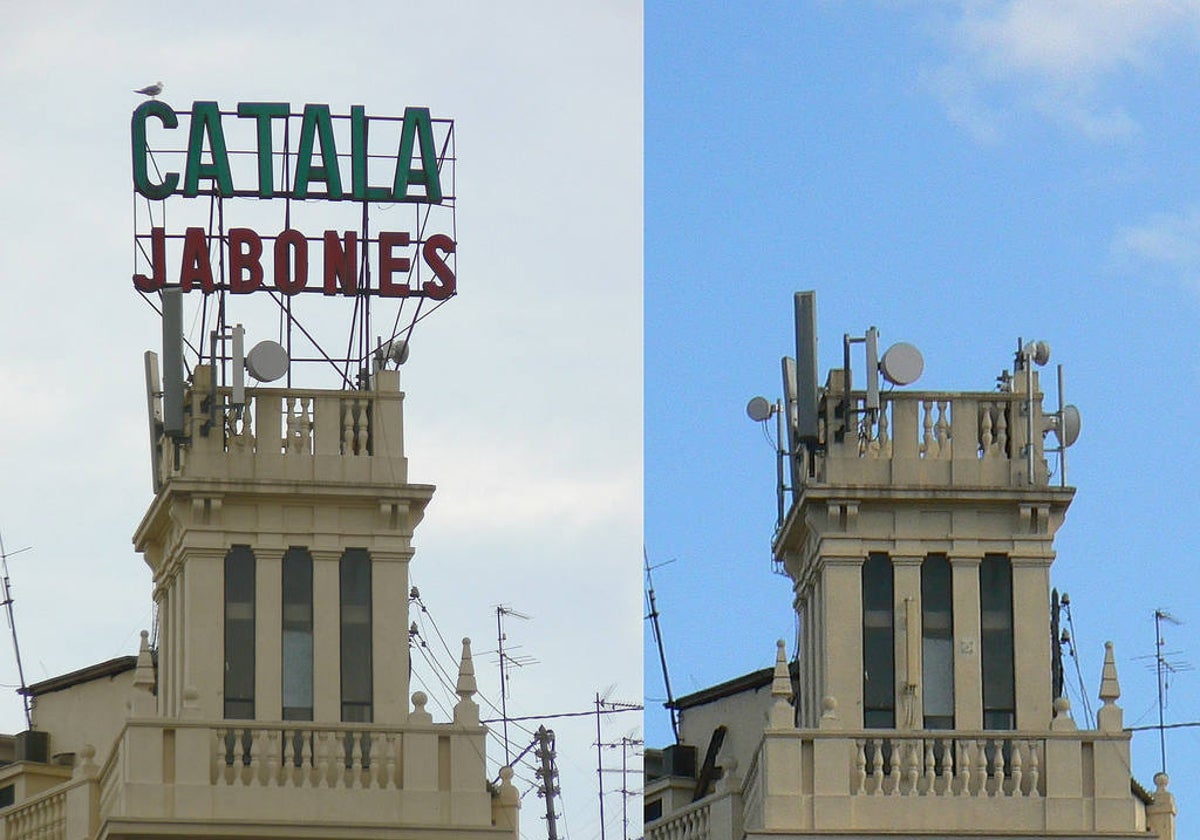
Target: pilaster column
{"x":327,"y":633}
{"x":268,"y":633}
{"x":1031,"y":642}
{"x":199,"y":630}
{"x":968,"y":672}
{"x":841,"y":595}
{"x":389,"y":635}
{"x":906,"y":594}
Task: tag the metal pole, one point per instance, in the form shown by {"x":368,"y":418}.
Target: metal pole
{"x":600,"y":765}
{"x":545,"y":738}
{"x":503,"y":681}
{"x":1158,"y":659}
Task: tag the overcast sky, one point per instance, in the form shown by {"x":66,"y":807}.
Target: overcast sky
{"x":523,"y":392}
{"x":958,"y":174}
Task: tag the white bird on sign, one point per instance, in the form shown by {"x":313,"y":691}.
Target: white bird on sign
{"x":151,"y":90}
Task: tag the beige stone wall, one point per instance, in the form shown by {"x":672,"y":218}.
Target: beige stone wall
{"x":91,"y":712}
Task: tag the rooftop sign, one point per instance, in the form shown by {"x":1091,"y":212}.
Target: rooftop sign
{"x":266,"y":151}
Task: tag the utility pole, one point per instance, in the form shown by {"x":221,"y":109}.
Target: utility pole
{"x":548,"y":773}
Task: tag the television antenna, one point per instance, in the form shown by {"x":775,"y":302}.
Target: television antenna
{"x":12,"y":625}
{"x":1165,"y":668}
{"x":507,"y":659}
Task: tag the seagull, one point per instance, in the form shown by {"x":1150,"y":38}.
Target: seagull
{"x":151,"y":90}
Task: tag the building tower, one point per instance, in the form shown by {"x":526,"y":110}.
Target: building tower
{"x":918,"y":537}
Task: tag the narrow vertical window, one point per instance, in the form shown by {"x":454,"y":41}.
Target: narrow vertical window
{"x":297,"y":670}
{"x":879,"y":652}
{"x":239,"y":633}
{"x":996,"y":644}
{"x":357,"y":689}
{"x":937,"y":642}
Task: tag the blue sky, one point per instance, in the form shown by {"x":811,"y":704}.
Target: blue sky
{"x":959,"y":175}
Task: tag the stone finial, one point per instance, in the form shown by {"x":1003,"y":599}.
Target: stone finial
{"x":191,"y":702}
{"x":1160,"y":814}
{"x":782,"y":716}
{"x":730,"y":781}
{"x":1062,"y":722}
{"x":143,"y":677}
{"x":418,"y":714}
{"x":466,"y":711}
{"x":1110,"y":718}
{"x":829,"y":713}
{"x":506,"y":803}
{"x":85,"y":764}
{"x":509,"y":794}
{"x":142,"y":702}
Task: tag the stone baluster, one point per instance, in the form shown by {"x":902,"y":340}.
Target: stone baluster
{"x":942,"y":429}
{"x":985,"y":432}
{"x":222,"y":755}
{"x":1016,"y":767}
{"x":320,"y":769}
{"x":292,"y":424}
{"x":1034,"y":769}
{"x":256,"y":763}
{"x":364,"y":432}
{"x":930,"y":773}
{"x":348,"y":427}
{"x":860,"y":766}
{"x":239,"y":757}
{"x":248,"y":424}
{"x":877,"y":764}
{"x":895,"y":774}
{"x":928,"y":444}
{"x":1001,"y":429}
{"x":306,"y":425}
{"x":273,"y":759}
{"x":912,"y":761}
{"x":981,"y":773}
{"x":351,"y":759}
{"x":947,"y":767}
{"x":391,"y":765}
{"x":964,"y":768}
{"x":998,"y":767}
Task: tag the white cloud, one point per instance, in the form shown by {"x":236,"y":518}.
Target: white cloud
{"x":1167,"y":242}
{"x":1054,"y":58}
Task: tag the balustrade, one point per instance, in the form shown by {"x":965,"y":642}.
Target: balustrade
{"x":690,"y":823}
{"x":301,"y":756}
{"x":43,"y":817}
{"x":947,"y":765}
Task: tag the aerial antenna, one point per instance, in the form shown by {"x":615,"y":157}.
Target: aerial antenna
{"x":658,"y":640}
{"x":1164,"y":668}
{"x":12,"y":626}
{"x":507,"y":659}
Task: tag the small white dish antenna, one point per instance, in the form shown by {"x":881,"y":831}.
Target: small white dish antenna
{"x":758,"y":409}
{"x":1038,"y":352}
{"x":397,"y":351}
{"x":1067,"y":429}
{"x":902,"y":364}
{"x":267,"y":361}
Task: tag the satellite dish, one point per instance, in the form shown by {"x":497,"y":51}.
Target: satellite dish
{"x":1066,"y":430}
{"x":267,"y":361}
{"x":1038,"y":351}
{"x":397,"y":351}
{"x":758,"y":409}
{"x":902,"y":364}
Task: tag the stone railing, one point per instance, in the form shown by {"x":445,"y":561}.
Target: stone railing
{"x":42,"y":817}
{"x":301,"y":422}
{"x":959,"y":438}
{"x":299,"y":755}
{"x":948,"y":764}
{"x":690,"y":823}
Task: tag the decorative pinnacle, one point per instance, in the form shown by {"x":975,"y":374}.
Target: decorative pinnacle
{"x":1110,"y":687}
{"x":781,"y":684}
{"x":143,"y":677}
{"x":466,"y":686}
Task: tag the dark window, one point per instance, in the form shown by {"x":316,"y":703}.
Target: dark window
{"x":239,"y":633}
{"x":996,"y":644}
{"x":879,"y":652}
{"x":7,"y":795}
{"x":355,"y":584}
{"x":297,"y":666}
{"x":937,"y":642}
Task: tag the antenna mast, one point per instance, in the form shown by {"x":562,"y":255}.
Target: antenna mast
{"x":505,"y":659}
{"x":662,"y":655}
{"x":1162,"y":667}
{"x":12,"y":626}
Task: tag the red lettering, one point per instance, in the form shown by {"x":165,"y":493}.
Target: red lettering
{"x":442,"y":243}
{"x":245,"y":253}
{"x":196,"y":265}
{"x":285,"y":280}
{"x":340,"y":263}
{"x":158,"y":263}
{"x":389,"y":263}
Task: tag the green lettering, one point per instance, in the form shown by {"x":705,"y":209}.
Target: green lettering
{"x":263,"y":113}
{"x":358,"y":160}
{"x":317,"y":122}
{"x":417,"y":126}
{"x":206,"y":119}
{"x":141,"y":151}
